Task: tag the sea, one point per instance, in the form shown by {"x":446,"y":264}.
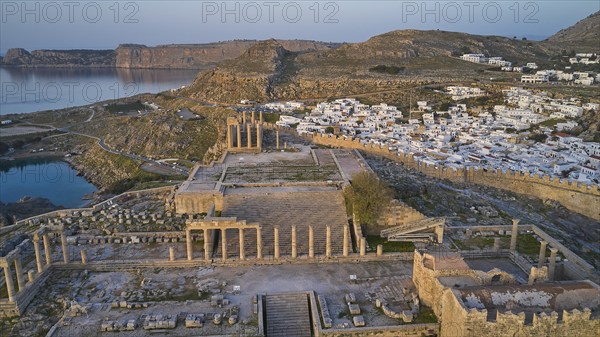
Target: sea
{"x":25,"y":90}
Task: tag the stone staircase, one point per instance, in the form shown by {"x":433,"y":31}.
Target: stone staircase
{"x":420,"y":230}
{"x":285,"y":209}
{"x":399,"y":214}
{"x":287,"y":315}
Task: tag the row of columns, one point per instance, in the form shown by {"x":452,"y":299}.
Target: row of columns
{"x":48,"y":250}
{"x":14,"y":258}
{"x":10,"y":286}
{"x":542,"y":255}
{"x":276,"y":243}
{"x":238,"y":139}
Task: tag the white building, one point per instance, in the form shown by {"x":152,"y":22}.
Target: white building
{"x":475,"y":58}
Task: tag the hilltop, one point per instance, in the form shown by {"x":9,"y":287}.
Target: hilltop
{"x":403,"y":58}
{"x":584,"y":36}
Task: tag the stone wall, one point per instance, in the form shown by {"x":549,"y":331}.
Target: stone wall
{"x":574,"y":196}
{"x":200,"y":202}
{"x":456,"y":320}
{"x":412,"y":330}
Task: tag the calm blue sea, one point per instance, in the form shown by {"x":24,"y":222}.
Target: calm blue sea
{"x":25,"y":90}
{"x":43,"y":177}
{"x":37,"y":89}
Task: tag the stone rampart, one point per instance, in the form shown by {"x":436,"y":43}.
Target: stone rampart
{"x":581,"y":198}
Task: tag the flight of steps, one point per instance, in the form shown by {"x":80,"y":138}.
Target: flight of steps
{"x":399,"y":214}
{"x":287,"y":315}
{"x":285,"y":210}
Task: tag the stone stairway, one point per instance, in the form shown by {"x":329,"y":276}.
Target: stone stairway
{"x":399,"y":214}
{"x":285,"y":209}
{"x":287,"y":315}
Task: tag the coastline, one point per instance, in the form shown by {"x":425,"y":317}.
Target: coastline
{"x":32,"y":204}
{"x":79,"y":66}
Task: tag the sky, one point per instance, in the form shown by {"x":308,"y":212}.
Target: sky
{"x":106,"y":24}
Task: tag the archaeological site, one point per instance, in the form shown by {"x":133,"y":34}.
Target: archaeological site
{"x":264,"y":242}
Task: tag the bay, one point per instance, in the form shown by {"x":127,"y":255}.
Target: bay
{"x":25,"y":90}
{"x":48,"y":178}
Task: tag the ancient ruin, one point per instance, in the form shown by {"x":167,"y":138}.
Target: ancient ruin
{"x":261,"y":243}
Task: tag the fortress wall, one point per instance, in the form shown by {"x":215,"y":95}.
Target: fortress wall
{"x":456,"y":320}
{"x":461,"y":322}
{"x":428,"y":286}
{"x":574,"y":196}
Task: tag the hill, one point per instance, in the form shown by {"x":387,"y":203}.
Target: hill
{"x":390,"y":61}
{"x":584,"y":36}
{"x":175,"y":56}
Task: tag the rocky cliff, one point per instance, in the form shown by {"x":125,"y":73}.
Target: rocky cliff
{"x":59,"y":58}
{"x":198,"y":56}
{"x":192,"y":56}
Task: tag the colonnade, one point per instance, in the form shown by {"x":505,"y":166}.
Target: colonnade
{"x":242,"y":227}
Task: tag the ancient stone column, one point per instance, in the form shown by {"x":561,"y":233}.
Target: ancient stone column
{"x":228,"y":136}
{"x":242,"y":250}
{"x":83,"y":256}
{"x":258,"y":136}
{"x":552,"y":266}
{"x":294,"y":242}
{"x":497,"y":244}
{"x":10,"y":287}
{"x":276,"y":239}
{"x":207,"y":252}
{"x":328,"y":241}
{"x":513,"y":235}
{"x":30,"y":275}
{"x":379,"y":250}
{"x":277,"y":138}
{"x":64,"y":247}
{"x":346,"y":240}
{"x":249,"y":136}
{"x":542,"y":257}
{"x":261,"y":117}
{"x":19,"y":272}
{"x":38,"y":254}
{"x":259,"y":242}
{"x":188,"y":242}
{"x":238,"y":129}
{"x":253,"y":118}
{"x":171,"y":253}
{"x":311,"y":241}
{"x":244,"y":118}
{"x":224,"y":244}
{"x":47,"y":250}
{"x":363,"y":246}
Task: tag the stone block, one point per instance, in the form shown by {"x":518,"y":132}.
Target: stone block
{"x":354,"y":309}
{"x":358,"y":321}
{"x":350,"y":298}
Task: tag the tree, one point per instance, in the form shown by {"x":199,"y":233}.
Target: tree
{"x":539,"y":137}
{"x":368,"y":197}
{"x":329,"y":129}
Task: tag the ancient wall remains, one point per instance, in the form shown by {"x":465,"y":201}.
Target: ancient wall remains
{"x":456,"y":320}
{"x":574,"y":196}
